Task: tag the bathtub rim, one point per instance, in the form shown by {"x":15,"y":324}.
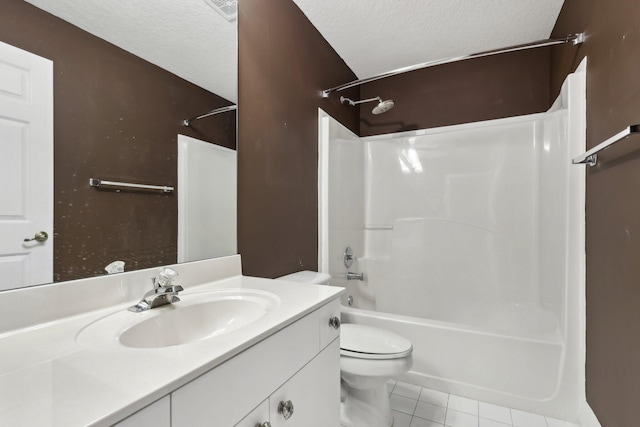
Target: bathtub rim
{"x":554,"y":338}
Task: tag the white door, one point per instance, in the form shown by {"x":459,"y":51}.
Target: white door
{"x":207,"y":199}
{"x":26,"y":168}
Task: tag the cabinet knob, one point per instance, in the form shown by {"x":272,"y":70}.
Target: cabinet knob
{"x":334,"y":322}
{"x":286,"y":409}
{"x":264,"y":424}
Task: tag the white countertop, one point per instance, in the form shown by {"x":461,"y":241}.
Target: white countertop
{"x":48,"y":379}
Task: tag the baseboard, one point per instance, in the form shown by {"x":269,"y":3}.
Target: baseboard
{"x":588,"y":417}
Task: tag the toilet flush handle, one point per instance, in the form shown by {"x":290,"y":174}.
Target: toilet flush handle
{"x":334,"y":322}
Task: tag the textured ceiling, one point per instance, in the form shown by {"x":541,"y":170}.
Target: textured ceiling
{"x":185,"y":37}
{"x":191,"y":40}
{"x":376,"y":36}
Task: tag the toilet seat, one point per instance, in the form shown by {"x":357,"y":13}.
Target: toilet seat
{"x":368,"y":342}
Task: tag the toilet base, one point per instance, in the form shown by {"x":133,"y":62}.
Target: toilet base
{"x":365,"y":408}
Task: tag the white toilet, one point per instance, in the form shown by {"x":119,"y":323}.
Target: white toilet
{"x":369,"y":357}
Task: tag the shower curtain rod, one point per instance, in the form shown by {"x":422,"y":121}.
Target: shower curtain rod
{"x":574,"y":38}
{"x":187,"y":122}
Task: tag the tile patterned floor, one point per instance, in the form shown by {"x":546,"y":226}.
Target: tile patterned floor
{"x":415,"y":406}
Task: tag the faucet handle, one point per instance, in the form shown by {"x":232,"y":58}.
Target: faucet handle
{"x":166,"y":276}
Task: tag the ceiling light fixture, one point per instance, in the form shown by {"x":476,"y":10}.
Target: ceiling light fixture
{"x":228,"y":9}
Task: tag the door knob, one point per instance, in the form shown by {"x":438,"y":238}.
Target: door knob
{"x":41,"y":236}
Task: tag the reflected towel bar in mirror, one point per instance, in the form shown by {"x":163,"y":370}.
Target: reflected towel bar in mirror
{"x":591,"y":157}
{"x":94,"y":182}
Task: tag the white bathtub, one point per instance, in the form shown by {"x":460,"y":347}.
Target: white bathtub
{"x":501,"y":368}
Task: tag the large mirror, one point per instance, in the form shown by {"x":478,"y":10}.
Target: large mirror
{"x":125,"y":77}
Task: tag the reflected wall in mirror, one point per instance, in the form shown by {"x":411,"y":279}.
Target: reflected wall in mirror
{"x":117,"y":117}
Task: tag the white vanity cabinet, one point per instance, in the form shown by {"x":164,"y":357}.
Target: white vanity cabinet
{"x":300,"y":363}
{"x":66,"y":365}
{"x":158,"y":414}
{"x":258,"y":417}
{"x":313,"y":397}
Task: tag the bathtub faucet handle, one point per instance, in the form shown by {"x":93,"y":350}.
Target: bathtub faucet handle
{"x":348,"y":257}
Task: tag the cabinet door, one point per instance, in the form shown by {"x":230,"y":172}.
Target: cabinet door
{"x":224,"y":395}
{"x":314,"y":393}
{"x":257,"y":417}
{"x":158,"y":414}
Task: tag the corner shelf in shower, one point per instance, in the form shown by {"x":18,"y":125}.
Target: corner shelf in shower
{"x":377,"y":227}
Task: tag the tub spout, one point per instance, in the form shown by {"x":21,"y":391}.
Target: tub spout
{"x":355,"y":276}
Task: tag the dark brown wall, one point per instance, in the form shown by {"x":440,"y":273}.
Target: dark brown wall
{"x":468,"y":91}
{"x":284,"y":64}
{"x":612,"y":47}
{"x":116,"y":117}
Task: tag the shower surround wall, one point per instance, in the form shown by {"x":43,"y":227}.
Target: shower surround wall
{"x":471,"y":241}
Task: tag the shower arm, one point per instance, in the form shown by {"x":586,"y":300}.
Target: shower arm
{"x":576,"y":39}
{"x":354,"y":103}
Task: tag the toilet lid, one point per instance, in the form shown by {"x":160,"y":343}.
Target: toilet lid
{"x":367,"y":342}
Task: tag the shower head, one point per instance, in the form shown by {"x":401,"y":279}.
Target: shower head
{"x":382,"y":107}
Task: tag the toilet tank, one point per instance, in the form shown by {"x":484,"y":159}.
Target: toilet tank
{"x":307,"y":276}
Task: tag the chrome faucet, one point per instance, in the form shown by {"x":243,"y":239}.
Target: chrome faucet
{"x":355,"y":276}
{"x":164,"y":292}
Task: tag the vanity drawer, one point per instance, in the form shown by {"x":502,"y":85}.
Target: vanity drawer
{"x":224,"y":395}
{"x":329,"y":322}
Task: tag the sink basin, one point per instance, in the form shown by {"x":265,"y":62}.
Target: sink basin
{"x":198,"y":316}
{"x":180,"y":325}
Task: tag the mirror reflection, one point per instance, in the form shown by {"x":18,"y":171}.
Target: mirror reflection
{"x":93,"y":89}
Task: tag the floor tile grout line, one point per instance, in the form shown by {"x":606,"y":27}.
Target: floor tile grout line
{"x":447,"y":408}
{"x":495,"y":421}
